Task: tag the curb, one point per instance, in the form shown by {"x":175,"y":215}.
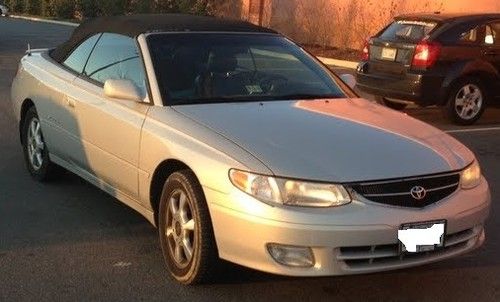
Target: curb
{"x":45,"y":20}
{"x":339,"y":63}
{"x":327,"y":61}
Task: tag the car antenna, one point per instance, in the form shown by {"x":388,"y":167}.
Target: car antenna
{"x":28,"y":52}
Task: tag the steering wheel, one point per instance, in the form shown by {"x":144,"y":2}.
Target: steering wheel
{"x":270,"y":83}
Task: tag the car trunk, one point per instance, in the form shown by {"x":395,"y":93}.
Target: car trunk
{"x":392,"y":58}
{"x":392,"y":51}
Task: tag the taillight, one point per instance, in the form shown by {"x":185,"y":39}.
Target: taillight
{"x":365,"y":54}
{"x":426,"y":54}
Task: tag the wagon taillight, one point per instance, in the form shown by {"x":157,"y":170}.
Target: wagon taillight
{"x":426,"y":54}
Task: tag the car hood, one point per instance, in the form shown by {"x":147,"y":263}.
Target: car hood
{"x":337,"y":140}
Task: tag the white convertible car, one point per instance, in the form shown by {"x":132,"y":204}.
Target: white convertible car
{"x":238,"y":144}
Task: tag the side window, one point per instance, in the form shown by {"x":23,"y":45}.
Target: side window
{"x":492,"y":36}
{"x":79,"y":56}
{"x":489,"y":38}
{"x":469,"y":36}
{"x":116,"y":57}
{"x":245,"y":61}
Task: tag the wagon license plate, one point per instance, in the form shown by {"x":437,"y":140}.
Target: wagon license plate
{"x":422,"y":236}
{"x":389,"y":54}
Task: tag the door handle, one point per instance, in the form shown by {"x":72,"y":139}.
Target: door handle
{"x":490,"y":53}
{"x":70,"y":102}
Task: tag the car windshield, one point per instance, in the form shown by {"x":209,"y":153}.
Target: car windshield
{"x":213,"y":68}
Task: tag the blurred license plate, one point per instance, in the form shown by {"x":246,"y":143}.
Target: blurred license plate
{"x":422,"y":236}
{"x":389,"y":53}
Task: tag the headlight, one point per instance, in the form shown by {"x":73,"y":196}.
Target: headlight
{"x":471,"y":176}
{"x":290,"y":192}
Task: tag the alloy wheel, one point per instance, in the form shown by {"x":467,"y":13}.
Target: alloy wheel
{"x":468,"y":101}
{"x":35,"y":144}
{"x":180,"y":228}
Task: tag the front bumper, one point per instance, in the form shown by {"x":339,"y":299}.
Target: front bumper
{"x":357,"y":238}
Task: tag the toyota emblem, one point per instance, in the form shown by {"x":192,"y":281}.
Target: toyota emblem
{"x":418,"y":192}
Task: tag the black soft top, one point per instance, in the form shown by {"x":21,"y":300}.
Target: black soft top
{"x":134,"y":25}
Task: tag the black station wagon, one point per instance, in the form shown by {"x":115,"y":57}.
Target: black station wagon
{"x":447,"y":60}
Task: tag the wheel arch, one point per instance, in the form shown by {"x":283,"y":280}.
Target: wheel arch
{"x":27,"y":104}
{"x":160,"y":175}
{"x":486,"y":76}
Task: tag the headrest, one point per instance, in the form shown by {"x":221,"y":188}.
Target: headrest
{"x":222,"y":60}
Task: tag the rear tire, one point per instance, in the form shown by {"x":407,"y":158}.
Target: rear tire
{"x":467,"y":101}
{"x":185,"y":230}
{"x":36,"y":154}
{"x":391,"y":104}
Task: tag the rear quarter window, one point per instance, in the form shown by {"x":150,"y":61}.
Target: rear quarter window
{"x":78,"y":58}
{"x":469,"y":36}
{"x":116,"y":57}
{"x":411,"y":31}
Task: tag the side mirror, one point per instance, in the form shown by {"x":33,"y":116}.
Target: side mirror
{"x":122,"y":89}
{"x":349,"y":79}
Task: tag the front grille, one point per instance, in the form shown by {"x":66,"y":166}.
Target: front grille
{"x":368,"y":257}
{"x":398,"y":192}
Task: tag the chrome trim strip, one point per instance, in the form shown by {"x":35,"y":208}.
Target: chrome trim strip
{"x":386,"y":194}
{"x":409,"y":193}
{"x":405,"y":179}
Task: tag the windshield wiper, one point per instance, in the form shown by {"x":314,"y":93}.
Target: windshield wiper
{"x":305,"y":96}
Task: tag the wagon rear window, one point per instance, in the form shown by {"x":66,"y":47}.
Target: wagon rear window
{"x":412,"y":31}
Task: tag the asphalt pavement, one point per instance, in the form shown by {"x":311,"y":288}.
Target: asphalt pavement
{"x":68,"y":241}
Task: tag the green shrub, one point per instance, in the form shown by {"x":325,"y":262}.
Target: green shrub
{"x":68,"y":9}
{"x":16,"y":6}
{"x":32,"y":7}
{"x":113,"y":7}
{"x":142,"y":6}
{"x":166,"y":6}
{"x":88,"y":8}
{"x":64,"y":9}
{"x":48,"y":8}
{"x":198,"y":7}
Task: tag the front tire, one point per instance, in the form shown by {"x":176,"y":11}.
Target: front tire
{"x":185,"y":230}
{"x":391,"y":104}
{"x":36,"y":155}
{"x":467,"y":101}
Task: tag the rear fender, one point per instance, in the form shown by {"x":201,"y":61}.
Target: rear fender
{"x":477,"y":68}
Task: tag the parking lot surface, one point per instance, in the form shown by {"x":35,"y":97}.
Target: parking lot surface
{"x":67,"y":240}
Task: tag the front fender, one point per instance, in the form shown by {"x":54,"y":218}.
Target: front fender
{"x":168,"y":134}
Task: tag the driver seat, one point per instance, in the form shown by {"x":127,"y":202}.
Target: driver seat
{"x":220,"y":78}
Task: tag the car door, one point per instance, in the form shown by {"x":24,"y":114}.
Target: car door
{"x":63,"y":135}
{"x":110,"y":129}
